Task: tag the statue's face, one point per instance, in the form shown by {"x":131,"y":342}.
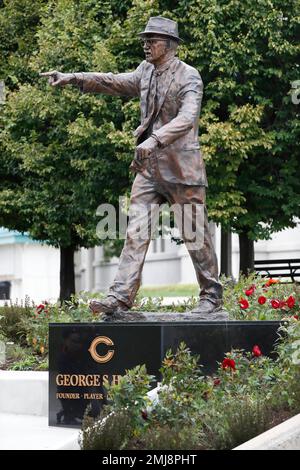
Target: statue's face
{"x":155,"y":47}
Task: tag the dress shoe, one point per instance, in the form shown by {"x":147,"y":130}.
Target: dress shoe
{"x":108,"y":305}
{"x":210,"y":310}
{"x":207,"y":306}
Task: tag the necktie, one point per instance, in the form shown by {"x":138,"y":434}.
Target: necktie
{"x":152,"y":103}
{"x":152,"y":96}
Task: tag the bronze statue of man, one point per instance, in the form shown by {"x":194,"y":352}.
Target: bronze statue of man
{"x":168,"y":163}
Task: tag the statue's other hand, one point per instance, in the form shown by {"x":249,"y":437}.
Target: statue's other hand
{"x":57,"y":78}
{"x":146,"y":148}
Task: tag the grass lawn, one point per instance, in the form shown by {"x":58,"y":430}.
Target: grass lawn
{"x":171,"y":290}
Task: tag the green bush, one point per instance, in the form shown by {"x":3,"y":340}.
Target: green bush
{"x":110,"y":433}
{"x":183,"y":389}
{"x":14,"y":319}
{"x":30,"y":363}
{"x":246,"y":396}
{"x":255,"y":298}
{"x":227,"y":425}
{"x":167,"y":437}
{"x":287,"y":386}
{"x":122,"y":420}
{"x":26,"y":325}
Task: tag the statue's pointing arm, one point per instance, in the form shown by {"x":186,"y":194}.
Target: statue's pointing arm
{"x":119,"y":84}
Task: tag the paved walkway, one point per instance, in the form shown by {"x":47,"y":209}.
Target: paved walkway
{"x":25,"y":432}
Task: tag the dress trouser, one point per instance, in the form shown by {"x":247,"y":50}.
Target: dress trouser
{"x":146,"y":193}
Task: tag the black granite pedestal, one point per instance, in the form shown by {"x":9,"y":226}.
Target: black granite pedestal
{"x":84,"y":357}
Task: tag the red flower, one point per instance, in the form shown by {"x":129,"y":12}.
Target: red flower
{"x":256,"y":351}
{"x":275,"y":303}
{"x":296,"y":317}
{"x":262,"y":299}
{"x":250,"y":291}
{"x":228,"y":364}
{"x":217,"y":382}
{"x":291,"y":301}
{"x":40,"y":308}
{"x":244,"y":303}
{"x":270,"y":282}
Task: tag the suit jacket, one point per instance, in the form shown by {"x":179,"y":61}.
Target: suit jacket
{"x":175,"y":122}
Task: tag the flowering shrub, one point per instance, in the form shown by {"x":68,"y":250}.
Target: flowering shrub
{"x":251,"y":298}
{"x":183,"y":389}
{"x":27,"y":325}
{"x":247,"y":395}
{"x":123,"y":419}
{"x":255,"y":298}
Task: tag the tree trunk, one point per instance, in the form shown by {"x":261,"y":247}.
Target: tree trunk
{"x":226,"y":252}
{"x":246,"y":253}
{"x":67,"y":273}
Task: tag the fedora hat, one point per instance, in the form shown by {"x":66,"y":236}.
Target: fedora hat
{"x":162,"y":26}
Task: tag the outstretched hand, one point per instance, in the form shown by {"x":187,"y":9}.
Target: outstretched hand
{"x":57,"y":78}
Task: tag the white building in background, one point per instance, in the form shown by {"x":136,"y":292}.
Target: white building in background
{"x":29,"y":268}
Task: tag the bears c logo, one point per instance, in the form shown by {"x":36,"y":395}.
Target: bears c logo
{"x":93,"y":349}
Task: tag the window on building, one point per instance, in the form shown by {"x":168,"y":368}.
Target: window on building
{"x":5,"y":290}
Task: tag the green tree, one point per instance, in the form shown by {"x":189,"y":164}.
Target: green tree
{"x":248,"y":55}
{"x":64,"y":153}
{"x":19,"y":20}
